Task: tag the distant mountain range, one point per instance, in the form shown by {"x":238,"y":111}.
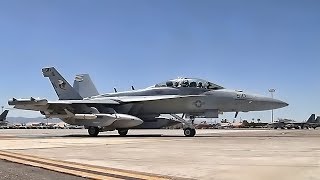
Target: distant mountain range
{"x":23,"y":120}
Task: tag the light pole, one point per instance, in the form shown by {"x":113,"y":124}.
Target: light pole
{"x":272,"y":91}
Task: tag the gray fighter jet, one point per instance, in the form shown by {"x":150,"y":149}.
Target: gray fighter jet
{"x":86,"y":88}
{"x":126,"y":110}
{"x":3,"y":118}
{"x":312,"y":122}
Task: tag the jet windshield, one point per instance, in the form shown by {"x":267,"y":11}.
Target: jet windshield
{"x":189,"y":82}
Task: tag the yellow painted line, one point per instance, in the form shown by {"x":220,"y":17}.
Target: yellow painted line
{"x":95,"y":172}
{"x":54,"y":168}
{"x":109,"y":171}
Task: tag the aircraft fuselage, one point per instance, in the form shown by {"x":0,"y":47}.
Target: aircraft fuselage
{"x":193,"y":100}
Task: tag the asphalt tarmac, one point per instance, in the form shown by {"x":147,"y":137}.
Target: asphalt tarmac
{"x":14,"y":171}
{"x":211,"y":154}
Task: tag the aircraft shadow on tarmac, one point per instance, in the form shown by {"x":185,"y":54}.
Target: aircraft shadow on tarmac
{"x":138,"y":135}
{"x":181,"y":136}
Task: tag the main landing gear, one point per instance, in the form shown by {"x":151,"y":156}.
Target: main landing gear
{"x":189,"y":132}
{"x":123,"y":132}
{"x":93,"y":131}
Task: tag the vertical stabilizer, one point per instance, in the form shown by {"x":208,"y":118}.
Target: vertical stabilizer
{"x":318,"y":119}
{"x":3,"y":116}
{"x":84,"y":85}
{"x":311,"y":118}
{"x":60,"y":85}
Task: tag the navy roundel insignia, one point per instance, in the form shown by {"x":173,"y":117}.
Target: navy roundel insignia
{"x":198,"y":103}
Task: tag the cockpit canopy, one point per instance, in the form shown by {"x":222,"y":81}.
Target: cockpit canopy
{"x":189,"y":82}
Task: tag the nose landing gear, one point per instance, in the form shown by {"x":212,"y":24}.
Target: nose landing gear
{"x":189,"y":130}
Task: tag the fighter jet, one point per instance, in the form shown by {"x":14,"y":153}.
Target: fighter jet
{"x":3,"y":118}
{"x":85,"y":87}
{"x":312,"y":122}
{"x":126,"y":110}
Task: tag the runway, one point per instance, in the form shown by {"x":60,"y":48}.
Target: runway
{"x":167,"y":154}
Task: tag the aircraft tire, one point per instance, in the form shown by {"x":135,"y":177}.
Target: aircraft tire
{"x":188,"y":132}
{"x":93,"y":131}
{"x":123,"y":132}
{"x":193,"y":132}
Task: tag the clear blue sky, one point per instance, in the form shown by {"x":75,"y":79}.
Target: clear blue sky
{"x":250,"y":45}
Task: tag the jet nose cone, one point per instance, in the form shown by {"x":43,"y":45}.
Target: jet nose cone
{"x":280,"y":103}
{"x":268,"y":103}
{"x":275,"y":103}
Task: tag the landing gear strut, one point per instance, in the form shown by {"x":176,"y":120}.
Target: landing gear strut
{"x":123,"y":132}
{"x":188,"y":127}
{"x":93,"y":131}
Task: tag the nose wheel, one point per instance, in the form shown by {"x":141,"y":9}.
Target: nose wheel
{"x":188,"y":132}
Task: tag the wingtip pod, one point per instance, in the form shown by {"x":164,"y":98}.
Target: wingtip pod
{"x":32,"y":101}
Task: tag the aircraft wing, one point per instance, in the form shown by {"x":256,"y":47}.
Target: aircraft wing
{"x":105,"y":101}
{"x":87,"y":101}
{"x":128,"y":99}
{"x":39,"y":102}
{"x":45,"y":105}
{"x":59,"y":105}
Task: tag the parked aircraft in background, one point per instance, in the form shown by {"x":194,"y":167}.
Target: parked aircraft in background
{"x":3,"y":118}
{"x":125,"y":110}
{"x":312,"y":122}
